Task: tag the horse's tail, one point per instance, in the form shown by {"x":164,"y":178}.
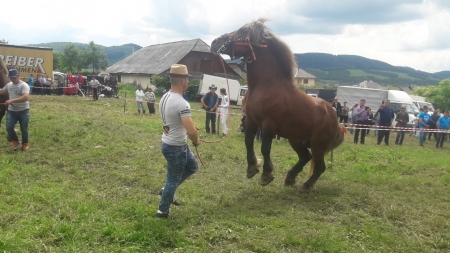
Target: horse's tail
{"x":336,"y":143}
{"x":339,"y":138}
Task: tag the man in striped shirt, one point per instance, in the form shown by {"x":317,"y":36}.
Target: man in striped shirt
{"x":175,"y":113}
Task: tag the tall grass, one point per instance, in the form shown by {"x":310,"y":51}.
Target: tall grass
{"x":88,"y":183}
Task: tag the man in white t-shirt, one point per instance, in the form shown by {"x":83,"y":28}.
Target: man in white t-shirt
{"x":175,"y":113}
{"x":94,"y":85}
{"x":18,"y":108}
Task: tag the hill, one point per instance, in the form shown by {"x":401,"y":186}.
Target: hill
{"x":114,"y":53}
{"x":352,"y":69}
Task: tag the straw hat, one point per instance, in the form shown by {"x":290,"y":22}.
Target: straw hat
{"x":179,"y":70}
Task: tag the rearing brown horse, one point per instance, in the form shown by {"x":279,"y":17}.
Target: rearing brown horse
{"x":277,"y":106}
{"x":3,"y":81}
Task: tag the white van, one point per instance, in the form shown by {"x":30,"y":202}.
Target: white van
{"x":241,"y":94}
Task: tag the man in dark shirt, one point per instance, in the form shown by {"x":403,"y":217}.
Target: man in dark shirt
{"x":337,"y":106}
{"x":433,"y":120}
{"x":386,"y":118}
{"x":402,"y":119}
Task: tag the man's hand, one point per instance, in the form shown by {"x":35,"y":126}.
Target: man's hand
{"x":196,"y":143}
{"x":8,"y":102}
{"x":212,"y":110}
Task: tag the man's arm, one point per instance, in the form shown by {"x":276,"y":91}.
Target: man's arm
{"x":203,"y":103}
{"x":20,"y":99}
{"x":215,"y":105}
{"x":2,"y":92}
{"x":191,"y":130}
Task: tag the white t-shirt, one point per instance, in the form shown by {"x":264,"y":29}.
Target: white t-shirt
{"x":224,"y":104}
{"x":172,"y":108}
{"x":140,"y":95}
{"x":94,"y":83}
{"x":15,"y":91}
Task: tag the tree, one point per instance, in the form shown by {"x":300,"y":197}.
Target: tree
{"x":71,"y":60}
{"x":161,"y":82}
{"x":3,"y":41}
{"x":95,"y":56}
{"x":57,"y":60}
{"x":437,"y":95}
{"x":193,"y":87}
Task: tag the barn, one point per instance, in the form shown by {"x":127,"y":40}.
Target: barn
{"x":140,"y":66}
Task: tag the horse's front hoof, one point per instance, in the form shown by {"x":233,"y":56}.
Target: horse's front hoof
{"x":303,"y":190}
{"x":252,"y":171}
{"x":289,"y":181}
{"x":265,"y":180}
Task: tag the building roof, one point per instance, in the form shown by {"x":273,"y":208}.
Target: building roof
{"x":156,"y":59}
{"x":303,"y":74}
{"x":371,"y":85}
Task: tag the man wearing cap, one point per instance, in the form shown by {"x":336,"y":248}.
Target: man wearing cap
{"x":18,"y":108}
{"x":402,"y":119}
{"x":175,"y":113}
{"x":386,"y":117}
{"x":210,"y":102}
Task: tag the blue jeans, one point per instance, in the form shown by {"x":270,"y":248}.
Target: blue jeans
{"x":181,"y":164}
{"x":422,"y":137}
{"x":11,"y":119}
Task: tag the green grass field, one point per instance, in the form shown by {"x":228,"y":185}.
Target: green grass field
{"x":88,"y":183}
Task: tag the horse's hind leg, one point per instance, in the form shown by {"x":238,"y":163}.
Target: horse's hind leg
{"x":303,"y":158}
{"x":266,"y":146}
{"x":319,"y":167}
{"x":252,"y":162}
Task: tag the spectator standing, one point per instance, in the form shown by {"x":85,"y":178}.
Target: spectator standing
{"x":140,"y":100}
{"x":424,"y":121}
{"x":177,"y":124}
{"x":443,"y":123}
{"x":210,"y":103}
{"x":337,"y":106}
{"x":386,"y":119}
{"x":186,"y":95}
{"x":343,"y":117}
{"x":224,"y":104}
{"x":94,"y":85}
{"x":402,"y":119}
{"x":151,"y":99}
{"x":18,"y":108}
{"x":48,"y":88}
{"x":31,"y":83}
{"x":370,"y":120}
{"x":361,"y":115}
{"x":353,"y":116}
{"x":433,"y":120}
{"x":43,"y":83}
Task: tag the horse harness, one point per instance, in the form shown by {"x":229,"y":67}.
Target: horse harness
{"x":240,"y":42}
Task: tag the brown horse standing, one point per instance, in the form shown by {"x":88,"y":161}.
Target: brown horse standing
{"x":3,"y":81}
{"x":276,"y":105}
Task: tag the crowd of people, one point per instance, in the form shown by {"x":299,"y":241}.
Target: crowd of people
{"x":362,"y":119}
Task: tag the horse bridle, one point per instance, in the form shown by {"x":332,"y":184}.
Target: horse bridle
{"x":239,"y":42}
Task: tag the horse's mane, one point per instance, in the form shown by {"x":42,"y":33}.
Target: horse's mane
{"x":259,"y":33}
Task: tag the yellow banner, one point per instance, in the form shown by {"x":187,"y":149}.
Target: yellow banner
{"x":28,"y":60}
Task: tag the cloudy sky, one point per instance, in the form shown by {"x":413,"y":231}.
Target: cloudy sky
{"x":413,"y":33}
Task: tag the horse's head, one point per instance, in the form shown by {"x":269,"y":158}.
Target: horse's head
{"x":240,"y":43}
